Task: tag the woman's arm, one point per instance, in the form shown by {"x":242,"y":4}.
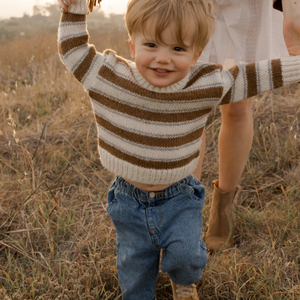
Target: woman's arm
{"x":291,"y":25}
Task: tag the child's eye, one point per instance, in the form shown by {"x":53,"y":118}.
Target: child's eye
{"x":179,"y":49}
{"x":151,"y":45}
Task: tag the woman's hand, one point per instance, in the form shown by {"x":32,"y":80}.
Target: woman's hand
{"x":291,"y":25}
{"x":64,"y":5}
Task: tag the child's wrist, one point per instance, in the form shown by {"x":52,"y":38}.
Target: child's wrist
{"x":78,"y":7}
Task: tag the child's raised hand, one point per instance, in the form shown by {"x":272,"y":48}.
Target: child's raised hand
{"x":64,"y":5}
{"x":291,"y":25}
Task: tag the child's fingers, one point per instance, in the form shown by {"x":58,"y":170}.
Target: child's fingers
{"x":67,"y":2}
{"x":64,"y":5}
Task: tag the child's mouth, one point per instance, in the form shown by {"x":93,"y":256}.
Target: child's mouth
{"x":161,"y":72}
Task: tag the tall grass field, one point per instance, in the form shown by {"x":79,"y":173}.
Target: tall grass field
{"x":56,"y":239}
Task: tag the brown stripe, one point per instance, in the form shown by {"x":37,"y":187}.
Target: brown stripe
{"x":234,"y":71}
{"x":85,"y":65}
{"x":206,"y":70}
{"x":148,"y":115}
{"x":67,"y":45}
{"x":251,"y":80}
{"x":108,"y":74}
{"x":276,"y":73}
{"x":72,"y":18}
{"x":118,"y":58}
{"x":108,"y":51}
{"x":158,"y":165}
{"x":124,"y":61}
{"x":226,"y":99}
{"x":148,"y":140}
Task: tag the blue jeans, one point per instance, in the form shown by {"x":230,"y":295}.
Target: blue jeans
{"x":148,"y":222}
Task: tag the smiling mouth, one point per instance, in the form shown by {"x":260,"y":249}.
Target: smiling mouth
{"x":162,"y":71}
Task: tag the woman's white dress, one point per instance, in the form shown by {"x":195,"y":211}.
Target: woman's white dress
{"x":246,"y":31}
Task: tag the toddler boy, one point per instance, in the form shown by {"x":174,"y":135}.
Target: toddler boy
{"x":150,"y":115}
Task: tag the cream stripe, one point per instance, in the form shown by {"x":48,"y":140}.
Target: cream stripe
{"x":70,"y":31}
{"x":155,"y":129}
{"x":227,"y":82}
{"x":258,"y":78}
{"x":291,"y":69}
{"x":270,"y":75}
{"x":244,"y":74}
{"x":70,"y":23}
{"x":143,"y":175}
{"x":264,"y":76}
{"x":106,"y":88}
{"x":152,"y":153}
{"x":239,"y":86}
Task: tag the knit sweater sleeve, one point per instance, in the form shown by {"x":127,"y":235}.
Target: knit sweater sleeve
{"x":80,"y":57}
{"x":247,"y":80}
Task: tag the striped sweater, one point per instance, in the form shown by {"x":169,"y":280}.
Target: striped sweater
{"x":149,"y":134}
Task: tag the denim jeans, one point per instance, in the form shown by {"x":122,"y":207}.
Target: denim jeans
{"x":148,"y":222}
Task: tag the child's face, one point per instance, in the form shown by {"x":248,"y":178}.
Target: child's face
{"x":163,"y":64}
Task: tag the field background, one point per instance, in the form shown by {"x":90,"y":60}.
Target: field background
{"x":56,"y":240}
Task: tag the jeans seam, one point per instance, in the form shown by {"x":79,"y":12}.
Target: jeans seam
{"x":158,"y":223}
{"x":154,"y":239}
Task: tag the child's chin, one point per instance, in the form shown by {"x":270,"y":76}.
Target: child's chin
{"x":160,"y":84}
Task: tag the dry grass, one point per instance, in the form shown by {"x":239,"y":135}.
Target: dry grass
{"x":56,"y":240}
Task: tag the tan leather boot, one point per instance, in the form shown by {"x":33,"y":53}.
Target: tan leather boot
{"x":182,"y":292}
{"x":221,"y":220}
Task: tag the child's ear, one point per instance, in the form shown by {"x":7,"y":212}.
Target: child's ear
{"x":197,"y":55}
{"x":132,"y":49}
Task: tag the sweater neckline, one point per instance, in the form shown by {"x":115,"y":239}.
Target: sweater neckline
{"x":175,"y":87}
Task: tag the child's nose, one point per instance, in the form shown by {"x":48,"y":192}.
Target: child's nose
{"x":163,"y":57}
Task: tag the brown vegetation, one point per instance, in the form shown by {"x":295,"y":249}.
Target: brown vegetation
{"x":56,"y":240}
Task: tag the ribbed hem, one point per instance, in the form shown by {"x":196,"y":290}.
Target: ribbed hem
{"x":290,"y":69}
{"x":78,"y":7}
{"x":142,"y":175}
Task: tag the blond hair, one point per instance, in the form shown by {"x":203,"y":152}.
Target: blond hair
{"x":187,"y":15}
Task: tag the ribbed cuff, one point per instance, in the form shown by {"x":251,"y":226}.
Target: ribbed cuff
{"x":290,"y":69}
{"x":78,"y":7}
